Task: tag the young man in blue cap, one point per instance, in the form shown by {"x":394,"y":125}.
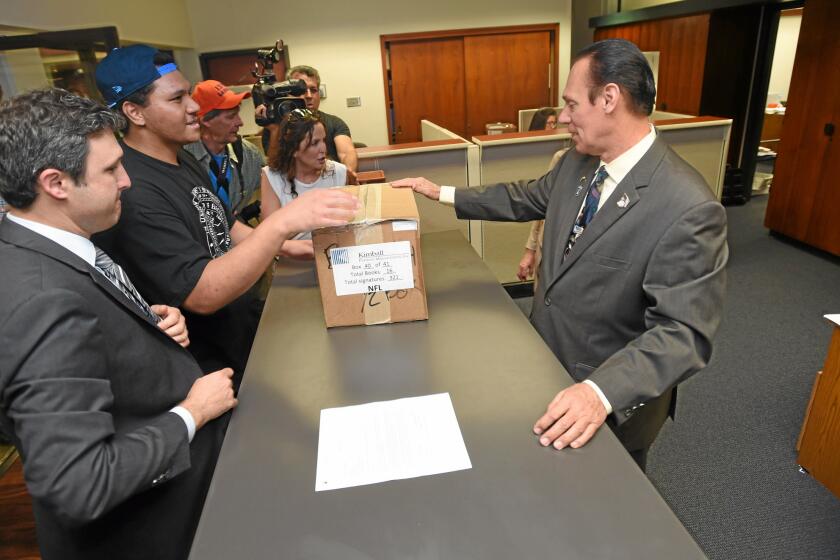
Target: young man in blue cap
{"x":176,"y":239}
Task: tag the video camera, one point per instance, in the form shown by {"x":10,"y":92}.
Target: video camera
{"x":279,"y":98}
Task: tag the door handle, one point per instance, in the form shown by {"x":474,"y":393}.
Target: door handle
{"x":828,"y":129}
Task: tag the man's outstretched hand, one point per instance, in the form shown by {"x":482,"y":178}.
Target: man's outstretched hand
{"x":420,"y":185}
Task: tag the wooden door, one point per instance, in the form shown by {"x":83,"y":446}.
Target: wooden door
{"x":427,"y":81}
{"x":681,"y":43}
{"x":806,"y":191}
{"x":505,"y":73}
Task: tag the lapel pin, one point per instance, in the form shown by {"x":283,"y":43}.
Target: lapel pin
{"x":623,"y":201}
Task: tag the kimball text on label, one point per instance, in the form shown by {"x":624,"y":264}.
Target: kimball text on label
{"x":372,"y":254}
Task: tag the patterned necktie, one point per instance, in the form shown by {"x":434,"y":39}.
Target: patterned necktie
{"x":590,"y":206}
{"x":114,"y":272}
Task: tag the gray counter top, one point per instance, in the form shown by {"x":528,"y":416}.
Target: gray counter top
{"x":518,"y":501}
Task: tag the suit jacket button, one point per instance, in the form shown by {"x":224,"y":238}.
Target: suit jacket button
{"x":547,"y":301}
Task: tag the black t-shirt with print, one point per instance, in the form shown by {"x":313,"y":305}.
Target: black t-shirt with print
{"x":171,"y":226}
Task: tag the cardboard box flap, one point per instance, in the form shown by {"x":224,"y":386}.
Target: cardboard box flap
{"x":381,"y":202}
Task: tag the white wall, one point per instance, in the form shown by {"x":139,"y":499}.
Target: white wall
{"x":161,"y":22}
{"x":341,"y":39}
{"x":783,"y":55}
{"x":22,"y":70}
{"x":582,"y":12}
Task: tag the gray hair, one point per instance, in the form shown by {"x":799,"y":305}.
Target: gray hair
{"x":46,"y":129}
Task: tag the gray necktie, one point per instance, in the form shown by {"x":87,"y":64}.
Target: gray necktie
{"x":114,"y":272}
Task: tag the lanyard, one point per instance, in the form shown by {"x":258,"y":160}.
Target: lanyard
{"x":221,"y":175}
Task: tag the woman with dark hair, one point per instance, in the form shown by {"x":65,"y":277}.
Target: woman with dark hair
{"x":297,"y":163}
{"x":544,"y":119}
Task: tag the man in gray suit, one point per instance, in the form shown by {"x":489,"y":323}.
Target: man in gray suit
{"x":117,"y":428}
{"x":635,"y":248}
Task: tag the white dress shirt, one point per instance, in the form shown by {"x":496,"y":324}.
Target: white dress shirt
{"x":83,"y":248}
{"x":617,"y":170}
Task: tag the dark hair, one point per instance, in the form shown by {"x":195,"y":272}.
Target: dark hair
{"x":295,"y":127}
{"x":141,"y":96}
{"x":620,"y":62}
{"x":43,"y":129}
{"x":541,"y":117}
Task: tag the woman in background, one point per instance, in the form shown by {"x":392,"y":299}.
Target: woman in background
{"x":544,"y":119}
{"x":297,"y":163}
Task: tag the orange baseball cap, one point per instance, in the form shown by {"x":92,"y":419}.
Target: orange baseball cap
{"x":212,"y":94}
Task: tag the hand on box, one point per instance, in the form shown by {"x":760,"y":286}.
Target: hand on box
{"x":420,"y":185}
{"x":316,"y":209}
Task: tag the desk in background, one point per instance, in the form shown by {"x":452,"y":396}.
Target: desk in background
{"x":518,"y":501}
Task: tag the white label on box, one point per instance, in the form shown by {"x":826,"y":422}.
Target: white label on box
{"x":379,"y":267}
{"x":404,"y":225}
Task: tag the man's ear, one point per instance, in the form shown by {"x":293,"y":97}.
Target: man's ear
{"x":54,"y":183}
{"x":134,"y":113}
{"x":611,"y":94}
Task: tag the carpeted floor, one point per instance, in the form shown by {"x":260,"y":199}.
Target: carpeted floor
{"x":727,"y":465}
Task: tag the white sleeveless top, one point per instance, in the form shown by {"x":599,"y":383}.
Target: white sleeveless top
{"x":334,"y":175}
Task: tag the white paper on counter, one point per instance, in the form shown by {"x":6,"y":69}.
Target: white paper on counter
{"x":834,"y":318}
{"x":389,"y":440}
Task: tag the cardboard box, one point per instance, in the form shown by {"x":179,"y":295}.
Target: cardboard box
{"x":370,"y":271}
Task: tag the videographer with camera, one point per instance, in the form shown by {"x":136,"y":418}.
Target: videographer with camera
{"x":232,"y":163}
{"x":339,"y":142}
{"x":175,"y":239}
{"x":297,"y":164}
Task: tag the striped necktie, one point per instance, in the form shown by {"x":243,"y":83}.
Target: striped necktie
{"x":114,"y":272}
{"x":590,"y":207}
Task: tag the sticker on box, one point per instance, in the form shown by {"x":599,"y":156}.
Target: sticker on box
{"x":378,"y":267}
{"x":404,"y":225}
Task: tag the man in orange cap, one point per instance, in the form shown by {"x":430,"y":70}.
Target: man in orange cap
{"x":232,"y":164}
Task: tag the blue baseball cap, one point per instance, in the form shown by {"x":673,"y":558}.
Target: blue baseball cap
{"x":127,"y":70}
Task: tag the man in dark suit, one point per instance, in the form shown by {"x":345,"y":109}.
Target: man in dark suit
{"x":632,"y":277}
{"x":116,"y":426}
